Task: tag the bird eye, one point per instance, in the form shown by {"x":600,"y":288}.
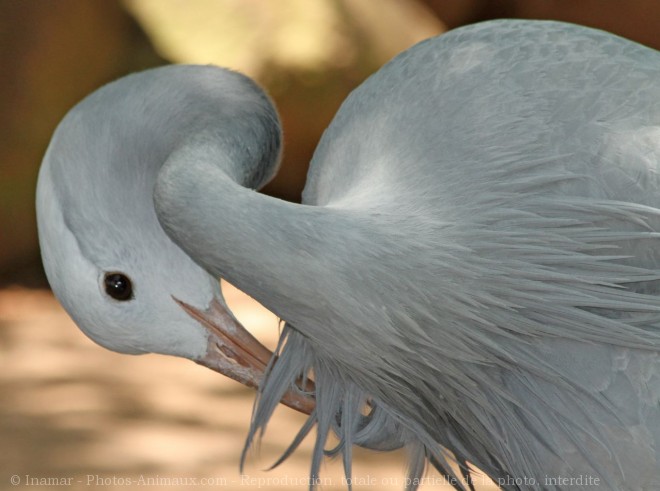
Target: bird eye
{"x":118,"y":286}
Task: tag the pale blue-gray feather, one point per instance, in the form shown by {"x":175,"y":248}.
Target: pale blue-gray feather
{"x":546,"y":198}
{"x":481,"y":214}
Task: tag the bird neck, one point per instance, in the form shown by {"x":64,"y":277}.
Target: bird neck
{"x":276,"y":251}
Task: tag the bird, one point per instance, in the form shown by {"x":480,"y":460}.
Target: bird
{"x":473,"y":273}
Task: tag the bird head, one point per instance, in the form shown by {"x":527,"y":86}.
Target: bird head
{"x":125,"y":283}
{"x":106,"y":257}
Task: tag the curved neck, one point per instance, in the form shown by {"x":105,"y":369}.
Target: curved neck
{"x":278,"y":252}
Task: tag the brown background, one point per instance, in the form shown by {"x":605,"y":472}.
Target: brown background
{"x":69,"y":409}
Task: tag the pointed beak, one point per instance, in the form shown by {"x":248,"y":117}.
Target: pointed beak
{"x":237,"y":354}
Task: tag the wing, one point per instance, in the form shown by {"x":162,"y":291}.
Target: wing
{"x":480,"y":265}
{"x":516,"y":167}
{"x":497,"y":96}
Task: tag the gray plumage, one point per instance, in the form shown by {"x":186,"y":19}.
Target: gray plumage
{"x":477,"y":256}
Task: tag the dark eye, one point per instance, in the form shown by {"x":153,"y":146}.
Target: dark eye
{"x":118,"y":286}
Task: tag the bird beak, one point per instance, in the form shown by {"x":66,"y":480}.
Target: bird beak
{"x":237,"y":354}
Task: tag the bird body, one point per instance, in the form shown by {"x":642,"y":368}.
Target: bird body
{"x":475,"y":261}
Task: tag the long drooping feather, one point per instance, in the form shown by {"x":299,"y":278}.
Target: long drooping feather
{"x":508,"y":308}
{"x":513,"y":401}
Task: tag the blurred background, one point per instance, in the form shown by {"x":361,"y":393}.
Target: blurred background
{"x":71,"y":410}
